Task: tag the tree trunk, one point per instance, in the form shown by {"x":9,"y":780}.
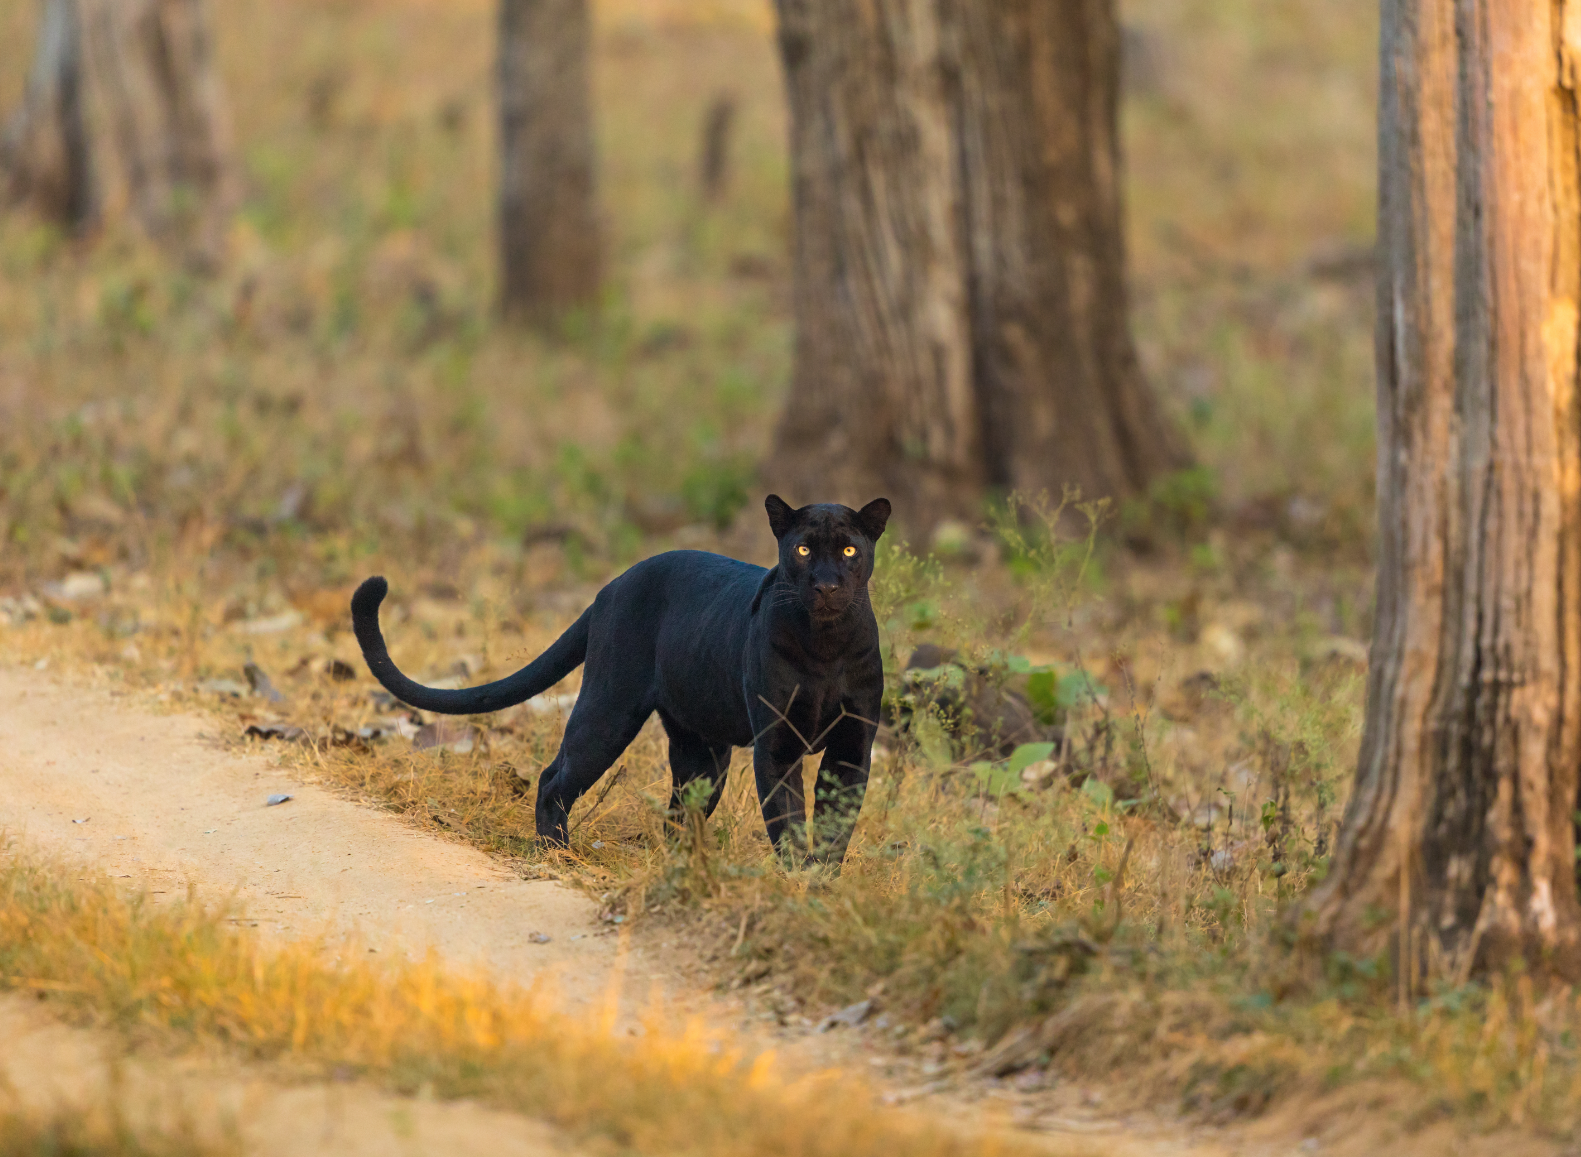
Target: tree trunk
{"x":44,"y":155}
{"x":549,"y":237}
{"x":960,"y":287}
{"x":132,"y":80}
{"x":154,"y":63}
{"x":1457,"y":848}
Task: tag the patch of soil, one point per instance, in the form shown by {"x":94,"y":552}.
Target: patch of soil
{"x":158,"y":802}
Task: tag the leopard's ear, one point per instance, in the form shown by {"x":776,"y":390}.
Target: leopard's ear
{"x":781,"y":514}
{"x":873,"y":517}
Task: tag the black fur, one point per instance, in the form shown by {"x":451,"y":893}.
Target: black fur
{"x":785,"y":661}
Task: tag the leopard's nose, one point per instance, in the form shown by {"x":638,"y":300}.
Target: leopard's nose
{"x":826,"y":588}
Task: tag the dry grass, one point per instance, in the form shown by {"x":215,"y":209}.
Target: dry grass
{"x":24,"y":1134}
{"x":178,"y":975}
{"x":227,"y":453}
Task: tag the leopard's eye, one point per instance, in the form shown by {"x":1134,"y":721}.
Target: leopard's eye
{"x":803,"y":551}
{"x":850,"y":552}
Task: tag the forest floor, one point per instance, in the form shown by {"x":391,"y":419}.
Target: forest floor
{"x":164,"y":806}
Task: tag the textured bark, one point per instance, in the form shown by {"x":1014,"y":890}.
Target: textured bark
{"x":549,"y":238}
{"x":1457,"y":848}
{"x":124,"y":108}
{"x":45,"y":159}
{"x":713,"y":158}
{"x":154,"y":62}
{"x":960,"y":295}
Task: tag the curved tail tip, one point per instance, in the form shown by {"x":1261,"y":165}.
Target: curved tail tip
{"x":368,"y":597}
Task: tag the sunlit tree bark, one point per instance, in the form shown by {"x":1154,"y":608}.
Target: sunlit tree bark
{"x":548,"y":217}
{"x":124,"y":108}
{"x":960,"y":289}
{"x":1457,"y":849}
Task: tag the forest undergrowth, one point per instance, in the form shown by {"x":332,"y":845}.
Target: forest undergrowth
{"x":196,"y":469}
{"x":181,"y":977}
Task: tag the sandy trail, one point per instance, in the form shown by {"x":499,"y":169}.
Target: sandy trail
{"x":49,"y":1068}
{"x":157,"y":801}
{"x":167,"y":805}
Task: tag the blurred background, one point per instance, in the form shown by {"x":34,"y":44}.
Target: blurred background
{"x":329,"y":384}
{"x":226,"y":400}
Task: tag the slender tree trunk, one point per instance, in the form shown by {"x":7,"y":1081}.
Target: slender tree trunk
{"x":124,"y":107}
{"x":960,"y":294}
{"x":45,"y":158}
{"x":713,"y":157}
{"x":549,"y":237}
{"x":1457,"y":848}
{"x":153,"y":61}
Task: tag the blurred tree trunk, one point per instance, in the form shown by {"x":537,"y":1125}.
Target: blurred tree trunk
{"x":44,"y":152}
{"x":133,"y":80}
{"x":154,"y":63}
{"x":1457,"y":848}
{"x":960,"y":289}
{"x":549,"y":236}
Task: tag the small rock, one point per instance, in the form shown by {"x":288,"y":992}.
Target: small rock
{"x":281,"y":731}
{"x":83,"y":584}
{"x":1030,"y":1081}
{"x":1039,"y":775}
{"x":1339,"y":647}
{"x":272,"y":625}
{"x":848,"y":1017}
{"x":260,"y":684}
{"x":550,"y":704}
{"x":443,"y":737}
{"x":223,"y":687}
{"x":277,"y":799}
{"x":539,"y":938}
{"x":1223,"y":644}
{"x":21,"y":610}
{"x":1304,"y":514}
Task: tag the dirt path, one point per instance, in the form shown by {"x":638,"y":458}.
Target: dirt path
{"x":158,"y":802}
{"x":49,"y":1068}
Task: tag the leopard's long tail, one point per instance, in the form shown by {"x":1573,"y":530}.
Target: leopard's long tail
{"x":564,"y":655}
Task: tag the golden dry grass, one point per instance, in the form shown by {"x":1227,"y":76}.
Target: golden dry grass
{"x":103,"y":1134}
{"x":174,"y":976}
{"x":226,"y":451}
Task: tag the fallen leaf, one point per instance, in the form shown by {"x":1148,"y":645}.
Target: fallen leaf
{"x":443,"y":737}
{"x":849,"y":1016}
{"x":223,"y":687}
{"x":280,"y":731}
{"x":260,"y":684}
{"x":271,"y":625}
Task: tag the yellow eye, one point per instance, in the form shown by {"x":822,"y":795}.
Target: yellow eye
{"x":803,"y":551}
{"x":850,"y":552}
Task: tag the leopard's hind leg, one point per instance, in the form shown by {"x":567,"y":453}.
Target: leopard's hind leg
{"x":596,"y":734}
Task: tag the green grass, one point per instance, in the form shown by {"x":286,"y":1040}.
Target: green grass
{"x":340,"y":400}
